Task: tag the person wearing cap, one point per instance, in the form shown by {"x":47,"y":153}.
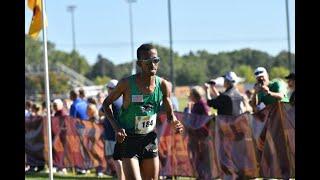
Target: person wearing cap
{"x":60,"y":113}
{"x":109,"y":134}
{"x":266,"y":91}
{"x":58,"y":108}
{"x":228,"y":102}
{"x":136,"y":137}
{"x":292,"y":87}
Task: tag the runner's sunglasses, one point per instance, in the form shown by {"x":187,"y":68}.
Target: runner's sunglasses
{"x":153,"y":60}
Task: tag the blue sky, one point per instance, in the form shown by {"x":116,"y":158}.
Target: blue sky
{"x":102,"y":26}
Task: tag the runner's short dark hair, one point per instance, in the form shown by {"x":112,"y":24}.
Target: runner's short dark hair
{"x":142,"y":48}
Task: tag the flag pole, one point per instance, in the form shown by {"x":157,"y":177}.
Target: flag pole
{"x":45,"y":57}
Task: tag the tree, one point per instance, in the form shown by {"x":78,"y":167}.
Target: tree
{"x":164,"y":66}
{"x":59,"y":84}
{"x":218,"y":65}
{"x":246,"y":72}
{"x":282,"y":59}
{"x":101,"y":80}
{"x":278,"y":72}
{"x":103,"y":67}
{"x":123,"y":70}
{"x":189,"y":69}
{"x":189,"y":75}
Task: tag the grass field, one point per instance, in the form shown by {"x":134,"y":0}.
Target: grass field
{"x":45,"y":176}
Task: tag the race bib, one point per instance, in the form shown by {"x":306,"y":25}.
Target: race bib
{"x":137,"y":98}
{"x":145,"y":124}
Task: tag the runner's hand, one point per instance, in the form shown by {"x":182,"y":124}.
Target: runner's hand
{"x":120,"y":135}
{"x":176,"y":124}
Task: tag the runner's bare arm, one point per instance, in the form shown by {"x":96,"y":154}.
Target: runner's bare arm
{"x":115,"y":94}
{"x":168,"y":106}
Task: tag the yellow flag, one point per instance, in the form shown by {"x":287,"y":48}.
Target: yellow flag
{"x":36,"y":22}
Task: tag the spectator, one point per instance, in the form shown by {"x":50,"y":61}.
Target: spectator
{"x":92,"y":113}
{"x":27,"y":111}
{"x":229,"y":102}
{"x":266,"y":91}
{"x":35,"y":110}
{"x":67,"y":104}
{"x":92,"y":100}
{"x":59,"y":108}
{"x":245,"y":106}
{"x":292,"y":87}
{"x":198,"y":144}
{"x":100,"y":98}
{"x":35,"y":113}
{"x":199,"y":105}
{"x":44,"y":108}
{"x":60,"y":112}
{"x":249,"y":94}
{"x":78,"y":108}
{"x":109,"y":134}
{"x":82,"y":94}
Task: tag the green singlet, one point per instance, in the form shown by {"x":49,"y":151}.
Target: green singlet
{"x":140,"y":116}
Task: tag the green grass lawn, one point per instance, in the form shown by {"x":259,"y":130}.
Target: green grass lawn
{"x":45,"y":176}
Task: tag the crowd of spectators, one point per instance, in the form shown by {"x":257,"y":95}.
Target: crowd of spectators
{"x":230,"y":101}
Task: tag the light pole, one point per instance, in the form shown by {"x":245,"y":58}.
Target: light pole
{"x":71,"y":9}
{"x":131,"y":36}
{"x":288,"y":34}
{"x":170,"y":39}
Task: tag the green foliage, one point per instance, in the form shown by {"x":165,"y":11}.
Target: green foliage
{"x":282,"y":59}
{"x":164,"y":68}
{"x":278,"y":72}
{"x":101,"y":80}
{"x":58,"y":83}
{"x":103,"y":67}
{"x":34,"y":55}
{"x":33,"y":51}
{"x":33,"y":84}
{"x":246,"y":72}
{"x":123,"y":70}
{"x":189,"y":69}
{"x":218,"y":65}
{"x":192,"y":71}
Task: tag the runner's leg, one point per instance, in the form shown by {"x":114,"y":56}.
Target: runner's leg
{"x":150,"y":168}
{"x":119,"y":169}
{"x":131,"y":168}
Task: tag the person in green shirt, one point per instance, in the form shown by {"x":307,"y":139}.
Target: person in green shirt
{"x":292,"y":87}
{"x":142,"y":93}
{"x":266,"y":91}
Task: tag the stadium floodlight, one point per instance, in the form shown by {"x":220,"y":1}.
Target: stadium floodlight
{"x":71,"y":9}
{"x":131,"y":35}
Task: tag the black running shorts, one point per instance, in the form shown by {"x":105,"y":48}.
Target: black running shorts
{"x":139,"y":146}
